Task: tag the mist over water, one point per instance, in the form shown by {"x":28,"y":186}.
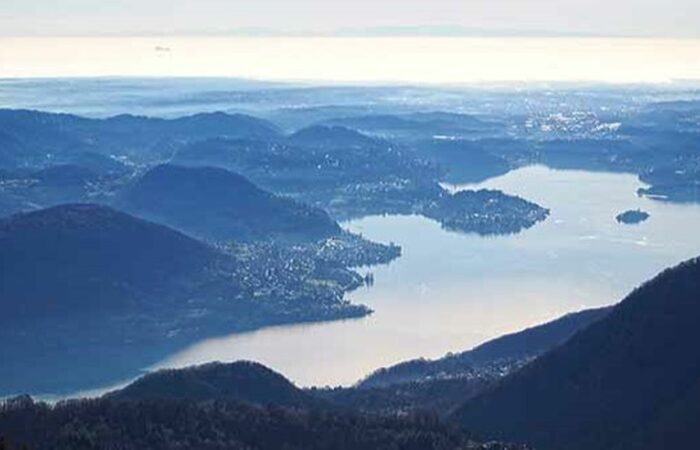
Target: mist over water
{"x":358,"y":59}
{"x":451,"y":291}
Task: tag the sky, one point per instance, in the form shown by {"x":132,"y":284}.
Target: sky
{"x":434,"y":60}
{"x":656,"y":18}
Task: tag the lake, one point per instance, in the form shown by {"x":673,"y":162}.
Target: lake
{"x":451,"y":291}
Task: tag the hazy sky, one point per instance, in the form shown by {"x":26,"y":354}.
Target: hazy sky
{"x":676,"y":18}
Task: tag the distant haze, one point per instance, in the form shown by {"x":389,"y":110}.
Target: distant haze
{"x":659,"y":18}
{"x":358,"y":59}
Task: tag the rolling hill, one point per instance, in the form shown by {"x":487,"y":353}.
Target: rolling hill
{"x":217,"y":204}
{"x":85,"y":257}
{"x":34,"y":138}
{"x":241,"y":381}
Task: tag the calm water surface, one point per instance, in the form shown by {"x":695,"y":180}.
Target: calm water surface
{"x":451,"y":291}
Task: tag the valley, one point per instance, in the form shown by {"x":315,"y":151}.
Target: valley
{"x":252,"y":264}
{"x":276,"y":256}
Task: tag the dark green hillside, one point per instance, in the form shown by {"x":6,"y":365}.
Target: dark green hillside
{"x":241,"y":381}
{"x":629,"y":381}
{"x":88,"y":257}
{"x":217,"y":425}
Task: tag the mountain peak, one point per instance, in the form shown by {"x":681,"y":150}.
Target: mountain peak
{"x":218,"y":204}
{"x":243,"y":381}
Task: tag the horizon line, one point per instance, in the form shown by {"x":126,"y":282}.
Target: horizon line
{"x":409,"y":31}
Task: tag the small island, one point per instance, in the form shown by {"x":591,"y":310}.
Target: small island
{"x":485,"y":212}
{"x":633,"y":216}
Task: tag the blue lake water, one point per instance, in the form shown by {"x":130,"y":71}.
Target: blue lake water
{"x":451,"y":291}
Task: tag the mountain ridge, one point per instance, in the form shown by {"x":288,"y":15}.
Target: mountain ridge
{"x":611,"y":383}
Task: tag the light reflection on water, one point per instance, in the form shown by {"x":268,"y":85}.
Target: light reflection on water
{"x":450,"y":291}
